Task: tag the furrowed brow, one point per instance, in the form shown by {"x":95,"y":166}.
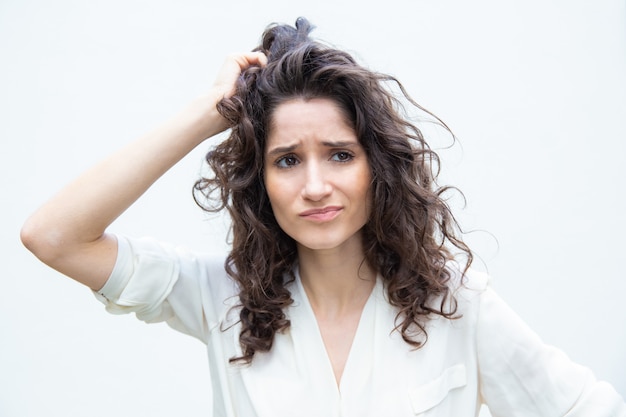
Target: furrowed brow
{"x":281,"y":150}
{"x":340,"y":144}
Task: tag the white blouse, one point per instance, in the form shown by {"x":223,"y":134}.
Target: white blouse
{"x":487,"y":356}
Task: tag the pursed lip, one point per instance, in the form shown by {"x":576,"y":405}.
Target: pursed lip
{"x":324,"y":213}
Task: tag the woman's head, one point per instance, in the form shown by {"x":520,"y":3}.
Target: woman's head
{"x":317,"y":176}
{"x":409,"y":224}
{"x":301,"y":68}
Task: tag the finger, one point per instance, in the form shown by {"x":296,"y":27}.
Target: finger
{"x":247,"y":59}
{"x":234,"y":65}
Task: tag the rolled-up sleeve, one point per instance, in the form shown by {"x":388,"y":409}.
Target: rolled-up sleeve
{"x":159,"y":282}
{"x":140,"y":281}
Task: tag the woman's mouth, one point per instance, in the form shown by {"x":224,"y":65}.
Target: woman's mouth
{"x":322,"y":214}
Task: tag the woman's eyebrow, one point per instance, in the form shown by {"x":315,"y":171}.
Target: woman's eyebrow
{"x":290,"y":148}
{"x":340,"y":144}
{"x":282,"y":149}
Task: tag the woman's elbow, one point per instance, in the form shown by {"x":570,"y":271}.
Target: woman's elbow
{"x":43,"y":241}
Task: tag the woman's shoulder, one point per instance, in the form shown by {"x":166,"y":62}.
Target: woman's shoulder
{"x":467,"y":287}
{"x":467,"y":279}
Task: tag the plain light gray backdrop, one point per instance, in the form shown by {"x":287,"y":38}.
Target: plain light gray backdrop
{"x":534,"y":90}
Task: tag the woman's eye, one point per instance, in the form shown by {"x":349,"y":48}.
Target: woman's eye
{"x":286,"y":161}
{"x":342,"y":156}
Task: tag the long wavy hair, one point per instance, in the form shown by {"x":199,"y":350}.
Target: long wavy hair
{"x":411,"y":235}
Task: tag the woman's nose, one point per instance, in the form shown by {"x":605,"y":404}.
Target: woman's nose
{"x":316,"y":185}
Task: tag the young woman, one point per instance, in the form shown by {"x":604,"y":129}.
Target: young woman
{"x":347,"y":291}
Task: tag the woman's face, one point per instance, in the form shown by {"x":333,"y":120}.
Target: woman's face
{"x":317,"y":174}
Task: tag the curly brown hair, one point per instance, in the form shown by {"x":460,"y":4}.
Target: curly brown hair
{"x":411,"y":235}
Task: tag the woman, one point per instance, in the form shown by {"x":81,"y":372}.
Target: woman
{"x":342,"y":294}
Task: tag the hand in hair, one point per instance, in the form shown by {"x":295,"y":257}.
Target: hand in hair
{"x":224,"y":84}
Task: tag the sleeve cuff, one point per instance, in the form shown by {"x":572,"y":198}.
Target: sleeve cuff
{"x":120,"y":275}
{"x":143,"y":276}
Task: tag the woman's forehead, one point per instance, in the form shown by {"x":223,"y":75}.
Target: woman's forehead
{"x":299,"y":117}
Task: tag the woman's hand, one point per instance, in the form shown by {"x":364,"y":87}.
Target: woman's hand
{"x":223,"y":87}
{"x":234,"y":65}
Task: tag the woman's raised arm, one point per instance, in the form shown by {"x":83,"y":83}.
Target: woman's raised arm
{"x":68,"y":232}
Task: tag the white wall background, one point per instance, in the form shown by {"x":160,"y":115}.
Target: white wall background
{"x":534,"y":90}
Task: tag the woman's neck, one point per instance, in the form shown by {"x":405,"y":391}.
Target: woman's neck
{"x":336,"y":281}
